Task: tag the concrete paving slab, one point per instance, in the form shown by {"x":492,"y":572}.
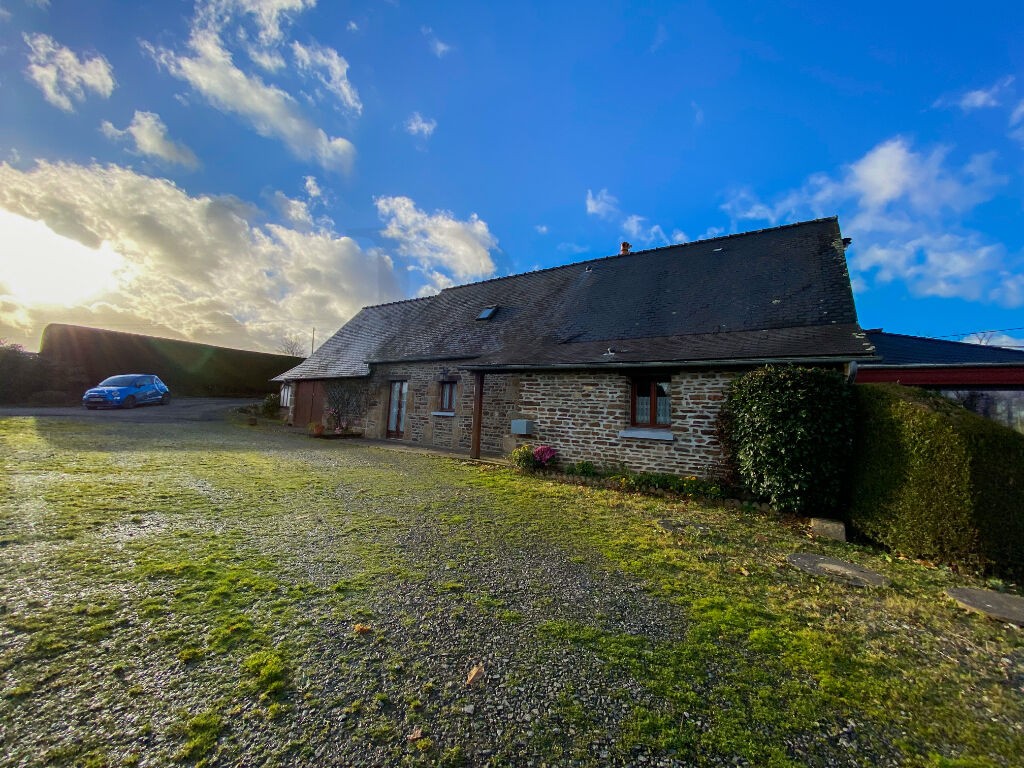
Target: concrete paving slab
{"x":997,"y":605}
{"x":838,"y":570}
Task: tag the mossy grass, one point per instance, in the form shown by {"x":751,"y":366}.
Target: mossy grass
{"x":206,"y":587}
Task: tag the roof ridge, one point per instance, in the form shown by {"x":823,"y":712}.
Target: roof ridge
{"x":398,"y":301}
{"x":924,"y":338}
{"x":598,"y":259}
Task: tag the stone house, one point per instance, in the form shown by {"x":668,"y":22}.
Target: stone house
{"x":622,"y":360}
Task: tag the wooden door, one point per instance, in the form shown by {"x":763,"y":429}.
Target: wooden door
{"x":396,"y":409}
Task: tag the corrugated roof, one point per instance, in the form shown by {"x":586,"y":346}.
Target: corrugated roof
{"x":775,"y":293}
{"x":896,"y":349}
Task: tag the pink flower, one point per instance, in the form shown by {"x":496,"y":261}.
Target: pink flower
{"x":543,"y":454}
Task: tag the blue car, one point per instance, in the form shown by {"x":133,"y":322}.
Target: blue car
{"x":127,"y":391}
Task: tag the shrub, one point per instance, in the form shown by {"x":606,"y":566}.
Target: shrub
{"x":647,"y":482}
{"x":582,"y":468}
{"x":790,"y":435}
{"x":935,"y":481}
{"x":544,"y":455}
{"x":522,"y":458}
{"x":271,"y":406}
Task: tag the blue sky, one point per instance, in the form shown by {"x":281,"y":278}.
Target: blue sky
{"x":239,"y":172}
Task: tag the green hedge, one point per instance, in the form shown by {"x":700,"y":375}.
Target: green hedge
{"x":933,"y":480}
{"x":89,"y":355}
{"x":789,"y":431}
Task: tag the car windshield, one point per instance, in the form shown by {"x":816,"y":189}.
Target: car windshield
{"x":119,"y":381}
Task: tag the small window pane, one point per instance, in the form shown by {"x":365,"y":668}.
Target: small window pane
{"x":448,"y":389}
{"x":643,"y":407}
{"x":664,"y":412}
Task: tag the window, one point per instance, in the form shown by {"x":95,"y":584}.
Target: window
{"x":448,"y":390}
{"x":286,"y":395}
{"x":487,"y":313}
{"x":652,"y":403}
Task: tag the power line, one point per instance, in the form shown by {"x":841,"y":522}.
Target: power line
{"x":971,"y":333}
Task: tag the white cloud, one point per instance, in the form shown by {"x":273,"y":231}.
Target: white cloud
{"x":903,"y":207}
{"x":331,"y":70}
{"x":150,"y":136}
{"x":296,"y":212}
{"x":417,"y":126}
{"x":602,"y":205}
{"x":698,"y":113}
{"x":678,"y":236}
{"x":200,"y":267}
{"x":1017,"y":116}
{"x":636,"y":228}
{"x":438,"y":48}
{"x":994,"y":339}
{"x":313,"y":188}
{"x":711,"y":232}
{"x":542,"y":229}
{"x":660,"y":38}
{"x":981,"y":98}
{"x":62,"y":76}
{"x":573,"y":249}
{"x":5,"y":15}
{"x":271,"y":112}
{"x":352,"y":27}
{"x":1017,"y":123}
{"x":439,"y":240}
{"x":268,"y":15}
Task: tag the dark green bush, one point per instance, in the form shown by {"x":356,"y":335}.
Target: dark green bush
{"x":582,"y":468}
{"x":933,"y":480}
{"x":271,"y":406}
{"x":790,"y":436}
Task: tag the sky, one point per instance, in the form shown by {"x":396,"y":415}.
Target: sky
{"x":250,"y":173}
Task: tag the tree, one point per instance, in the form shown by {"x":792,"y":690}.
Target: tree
{"x":291,"y":345}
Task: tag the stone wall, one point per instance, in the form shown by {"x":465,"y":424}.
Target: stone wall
{"x":584,"y":415}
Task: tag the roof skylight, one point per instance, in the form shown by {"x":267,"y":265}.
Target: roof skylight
{"x":487,"y":313}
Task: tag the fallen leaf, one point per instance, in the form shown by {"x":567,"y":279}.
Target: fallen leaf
{"x":475,"y":674}
{"x":416,"y":735}
{"x":362,"y":629}
{"x":744,"y":571}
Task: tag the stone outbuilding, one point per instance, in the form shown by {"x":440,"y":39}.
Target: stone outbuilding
{"x":622,"y":360}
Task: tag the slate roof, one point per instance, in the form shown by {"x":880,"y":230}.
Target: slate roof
{"x":774,"y":294}
{"x":896,"y":349}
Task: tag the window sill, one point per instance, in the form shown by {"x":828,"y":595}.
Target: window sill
{"x":442,"y":413}
{"x":640,"y":433}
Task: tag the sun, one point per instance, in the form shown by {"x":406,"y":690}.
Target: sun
{"x":38,"y":267}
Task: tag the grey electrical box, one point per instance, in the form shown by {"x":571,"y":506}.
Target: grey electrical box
{"x":522,"y":427}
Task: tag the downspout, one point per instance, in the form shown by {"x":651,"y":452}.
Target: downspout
{"x":478,"y":415}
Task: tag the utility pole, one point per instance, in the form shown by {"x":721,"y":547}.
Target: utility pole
{"x":312,"y":342}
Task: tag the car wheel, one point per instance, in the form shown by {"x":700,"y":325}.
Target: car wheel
{"x":129,"y":402}
{"x":165,"y":399}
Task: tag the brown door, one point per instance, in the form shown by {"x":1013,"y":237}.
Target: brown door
{"x":396,"y":408}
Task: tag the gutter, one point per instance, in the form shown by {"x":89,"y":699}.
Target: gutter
{"x":665,"y":364}
{"x":443,"y":359}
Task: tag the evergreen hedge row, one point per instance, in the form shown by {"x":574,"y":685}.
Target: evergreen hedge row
{"x":790,"y":435}
{"x":935,"y":481}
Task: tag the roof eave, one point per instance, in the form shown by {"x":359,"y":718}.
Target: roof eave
{"x":723,"y":362}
